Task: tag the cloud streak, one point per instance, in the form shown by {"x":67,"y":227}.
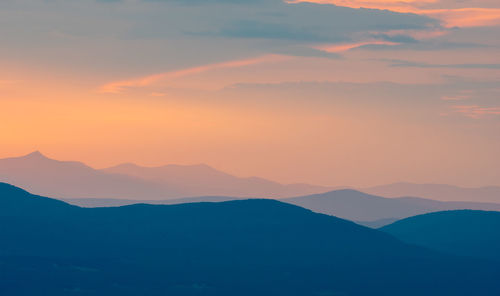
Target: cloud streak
{"x":403,"y":63}
{"x":474,"y":111}
{"x":120,"y":86}
{"x":338,"y":48}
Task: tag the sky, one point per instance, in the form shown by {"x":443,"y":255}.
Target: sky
{"x":328,"y":92}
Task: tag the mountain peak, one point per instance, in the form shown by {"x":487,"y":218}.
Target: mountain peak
{"x":36,"y":154}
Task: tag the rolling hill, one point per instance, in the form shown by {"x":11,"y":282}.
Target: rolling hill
{"x":368,"y":210}
{"x":365,"y":208}
{"x":466,"y":232}
{"x":246,"y":247}
{"x":113,"y":202}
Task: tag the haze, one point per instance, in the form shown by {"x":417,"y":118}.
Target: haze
{"x":291,"y":92}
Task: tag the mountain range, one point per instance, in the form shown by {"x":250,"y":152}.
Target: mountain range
{"x":125,"y":184}
{"x":68,"y":179}
{"x":243,"y":247}
{"x":368,"y":210}
{"x":375,"y":210}
{"x":200,"y":180}
{"x":439,"y":192}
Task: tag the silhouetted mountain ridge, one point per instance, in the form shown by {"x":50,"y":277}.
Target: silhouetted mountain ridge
{"x":67,"y":179}
{"x":358,"y":206}
{"x":201,"y":179}
{"x":464,"y":232}
{"x":369,"y":210}
{"x":15,"y":201}
{"x":46,"y":176}
{"x":246,"y":247}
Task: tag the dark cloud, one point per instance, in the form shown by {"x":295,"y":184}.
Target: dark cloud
{"x":278,"y":20}
{"x":158,"y":35}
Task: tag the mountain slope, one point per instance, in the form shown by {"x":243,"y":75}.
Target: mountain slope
{"x":248,"y":247}
{"x":437,"y":192}
{"x":368,"y":210}
{"x":470,"y":233}
{"x":200,"y":180}
{"x":65,"y":179}
{"x":358,"y":206}
{"x":112,"y":202}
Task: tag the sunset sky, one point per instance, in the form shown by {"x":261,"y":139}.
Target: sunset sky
{"x":337,"y":92}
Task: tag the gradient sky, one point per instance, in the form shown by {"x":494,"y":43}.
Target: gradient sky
{"x":338,"y":92}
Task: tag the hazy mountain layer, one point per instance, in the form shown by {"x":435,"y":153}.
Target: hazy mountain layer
{"x":199,"y":180}
{"x":440,"y":192}
{"x":369,"y":210}
{"x":64,"y":179}
{"x":357,"y":206}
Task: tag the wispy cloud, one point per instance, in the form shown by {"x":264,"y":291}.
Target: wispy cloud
{"x":338,"y":48}
{"x":119,"y":86}
{"x":455,"y":98}
{"x":403,"y":63}
{"x":474,"y":111}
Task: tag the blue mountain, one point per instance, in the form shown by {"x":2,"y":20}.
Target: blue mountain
{"x":244,"y":247}
{"x":465,"y":232}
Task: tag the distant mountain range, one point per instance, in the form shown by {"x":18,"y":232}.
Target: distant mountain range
{"x":437,"y":192}
{"x":358,"y":206}
{"x":369,"y":210}
{"x":45,"y":176}
{"x":65,"y":179}
{"x":467,"y":233}
{"x":245,"y":247}
{"x":201,"y":180}
{"x":125,"y":184}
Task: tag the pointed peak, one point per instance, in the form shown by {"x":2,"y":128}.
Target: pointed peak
{"x":36,"y":154}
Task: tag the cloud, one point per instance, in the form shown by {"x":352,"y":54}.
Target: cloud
{"x":119,"y":86}
{"x":139,"y":36}
{"x":403,"y":63}
{"x":276,"y":31}
{"x":338,"y":48}
{"x":308,"y":22}
{"x":421,"y":101}
{"x":474,"y":111}
{"x":452,"y":13}
{"x":455,"y":98}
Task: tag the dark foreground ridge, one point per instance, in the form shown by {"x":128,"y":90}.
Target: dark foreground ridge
{"x":466,"y":232}
{"x":247,"y":247}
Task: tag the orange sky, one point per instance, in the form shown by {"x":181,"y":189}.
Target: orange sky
{"x":416,"y":104}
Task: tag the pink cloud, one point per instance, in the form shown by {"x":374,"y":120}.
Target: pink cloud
{"x":474,"y":111}
{"x":337,"y":48}
{"x":119,"y":86}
